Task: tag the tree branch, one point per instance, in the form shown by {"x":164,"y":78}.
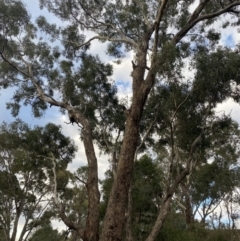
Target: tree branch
{"x":29,"y":214}
{"x":80,"y":180}
{"x":159,"y":17}
{"x":179,"y":106}
{"x":45,"y":97}
{"x":105,"y":38}
{"x":194,"y":19}
{"x":14,"y":66}
{"x":55,"y":183}
{"x":146,"y":134}
{"x":144,"y":15}
{"x":124,"y":38}
{"x":61,"y":206}
{"x":198,"y":10}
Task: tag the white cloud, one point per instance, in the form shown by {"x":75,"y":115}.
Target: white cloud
{"x":229,"y":107}
{"x":122,"y":71}
{"x":33,"y":8}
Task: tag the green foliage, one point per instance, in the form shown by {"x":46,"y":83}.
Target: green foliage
{"x":13,"y":17}
{"x":174,"y":229}
{"x":221,"y":67}
{"x":146,"y":185}
{"x":106,"y":189}
{"x":46,"y":232}
{"x":26,"y":176}
{"x":146,"y":194}
{"x":86,"y":86}
{"x":214,"y":179}
{"x":76,"y":202}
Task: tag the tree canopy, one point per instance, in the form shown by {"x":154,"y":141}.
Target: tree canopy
{"x":170,"y":116}
{"x":26,"y":175}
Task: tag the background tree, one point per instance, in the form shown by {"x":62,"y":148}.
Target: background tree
{"x":216,"y":176}
{"x":146,"y":195}
{"x":26,"y":174}
{"x":46,"y":232}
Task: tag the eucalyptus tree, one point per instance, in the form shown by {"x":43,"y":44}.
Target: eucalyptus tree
{"x":185,"y":131}
{"x":161,"y":34}
{"x":26,"y":177}
{"x":215,"y":181}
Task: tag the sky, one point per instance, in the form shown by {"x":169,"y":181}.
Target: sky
{"x":230,"y":37}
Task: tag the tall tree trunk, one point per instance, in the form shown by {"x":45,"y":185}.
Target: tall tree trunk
{"x":91,"y":232}
{"x":129,"y":236}
{"x":188,"y":205}
{"x":15,"y":226}
{"x":115,"y":216}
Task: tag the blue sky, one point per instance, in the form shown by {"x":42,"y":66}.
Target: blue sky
{"x":229,"y":41}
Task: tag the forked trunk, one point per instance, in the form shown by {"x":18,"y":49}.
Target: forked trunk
{"x":115,"y":216}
